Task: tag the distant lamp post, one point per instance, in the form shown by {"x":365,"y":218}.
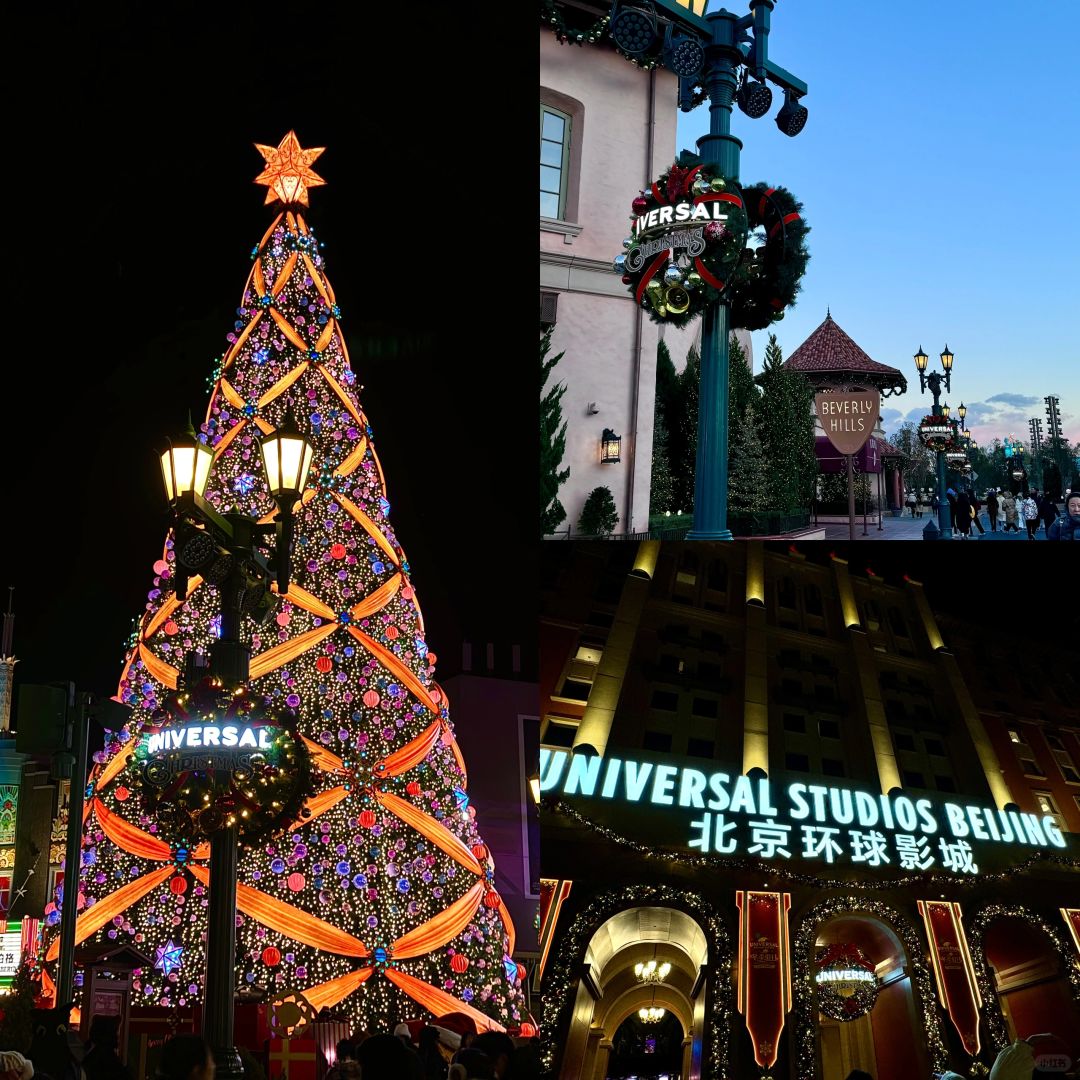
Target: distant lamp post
{"x":962,"y":412}
{"x":610,"y":447}
{"x":935,"y":380}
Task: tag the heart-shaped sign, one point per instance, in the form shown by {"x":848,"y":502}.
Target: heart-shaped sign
{"x":848,"y":417}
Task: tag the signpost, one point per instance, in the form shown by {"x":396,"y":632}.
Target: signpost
{"x":848,"y":417}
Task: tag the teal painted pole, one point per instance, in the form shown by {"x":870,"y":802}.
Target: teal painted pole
{"x":719,"y":148}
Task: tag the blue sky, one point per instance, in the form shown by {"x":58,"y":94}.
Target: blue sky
{"x":940,"y":172}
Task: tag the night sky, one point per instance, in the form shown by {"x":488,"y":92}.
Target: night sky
{"x":131,"y":213}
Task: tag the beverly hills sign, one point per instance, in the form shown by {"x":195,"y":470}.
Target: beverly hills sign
{"x":719,"y":813}
{"x":848,"y":418}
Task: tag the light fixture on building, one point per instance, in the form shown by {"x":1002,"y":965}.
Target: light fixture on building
{"x":962,"y":412}
{"x":610,"y":446}
{"x":651,"y":1015}
{"x":945,"y":410}
{"x":754,"y":98}
{"x":634,"y":29}
{"x":651,"y":972}
{"x":684,"y":55}
{"x":946,"y":359}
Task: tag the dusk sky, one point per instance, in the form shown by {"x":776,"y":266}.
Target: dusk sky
{"x":935,"y":170}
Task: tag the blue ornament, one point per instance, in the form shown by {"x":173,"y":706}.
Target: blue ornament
{"x":510,"y":967}
{"x":380,"y":954}
{"x":461,"y":799}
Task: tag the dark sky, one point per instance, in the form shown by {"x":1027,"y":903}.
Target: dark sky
{"x":130,"y":215}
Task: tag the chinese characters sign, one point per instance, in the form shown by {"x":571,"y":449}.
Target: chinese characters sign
{"x":721,"y":814}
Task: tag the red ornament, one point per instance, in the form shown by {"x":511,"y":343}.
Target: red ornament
{"x":123,"y":794}
{"x":492,"y":899}
{"x":324,"y":664}
{"x":459,"y":962}
{"x":178,"y":885}
{"x":431,"y":658}
{"x":640,"y":205}
{"x":527,"y":1031}
{"x":371,"y":698}
{"x":295,"y":882}
{"x":367,"y":818}
{"x":716,"y":231}
{"x":480,"y":851}
{"x":392,"y":632}
{"x":171,"y":627}
{"x":520,"y":972}
{"x":413,"y":787}
{"x":271,"y":957}
{"x":337,"y":551}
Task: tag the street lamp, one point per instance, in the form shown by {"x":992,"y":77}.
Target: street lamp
{"x":935,"y":380}
{"x":728,"y":44}
{"x":224,"y":550}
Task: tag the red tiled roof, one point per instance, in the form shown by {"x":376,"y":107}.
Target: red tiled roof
{"x":829,"y":349}
{"x":886,"y":449}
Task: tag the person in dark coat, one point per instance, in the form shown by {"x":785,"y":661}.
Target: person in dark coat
{"x":992,"y":509}
{"x":102,"y":1062}
{"x":962,"y":515}
{"x":976,"y":506}
{"x":1048,"y":511}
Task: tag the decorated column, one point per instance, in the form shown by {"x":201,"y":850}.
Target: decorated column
{"x":1072,"y":921}
{"x":953,"y":969}
{"x":764,"y":986}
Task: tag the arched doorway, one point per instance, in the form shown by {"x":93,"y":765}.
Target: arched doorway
{"x":1028,"y":976}
{"x":647,"y":1049}
{"x":893,"y":1035}
{"x":595,"y":988}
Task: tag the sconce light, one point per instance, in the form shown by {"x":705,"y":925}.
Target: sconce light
{"x":610,"y":445}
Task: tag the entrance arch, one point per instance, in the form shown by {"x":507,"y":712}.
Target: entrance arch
{"x":903,"y":1016}
{"x":1026,"y":975}
{"x":593,"y":987}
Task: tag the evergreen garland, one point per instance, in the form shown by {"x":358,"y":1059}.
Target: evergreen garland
{"x":552,"y":443}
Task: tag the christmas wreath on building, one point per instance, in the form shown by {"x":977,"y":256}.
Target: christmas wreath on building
{"x":847,"y":986}
{"x":688,"y":247}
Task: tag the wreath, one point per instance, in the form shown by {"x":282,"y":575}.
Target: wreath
{"x":255,"y":774}
{"x":936,"y":433}
{"x":844,"y":966}
{"x":688,"y":247}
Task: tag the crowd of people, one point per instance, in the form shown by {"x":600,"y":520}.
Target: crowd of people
{"x":1011,"y":512}
{"x":437,"y":1054}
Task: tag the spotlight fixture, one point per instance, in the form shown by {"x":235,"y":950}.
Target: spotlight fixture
{"x":685,"y":56}
{"x":754,"y":98}
{"x":791,"y":118}
{"x":633,"y":30}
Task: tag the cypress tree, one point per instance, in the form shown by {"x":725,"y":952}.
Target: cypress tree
{"x":552,"y":443}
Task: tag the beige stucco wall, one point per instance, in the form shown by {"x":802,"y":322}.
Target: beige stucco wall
{"x":610,"y":347}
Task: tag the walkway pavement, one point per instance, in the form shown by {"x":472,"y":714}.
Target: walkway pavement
{"x":911,"y":529}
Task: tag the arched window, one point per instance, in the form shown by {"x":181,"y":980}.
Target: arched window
{"x":812,"y":600}
{"x":786,"y":594}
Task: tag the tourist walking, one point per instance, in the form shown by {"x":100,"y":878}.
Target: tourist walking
{"x":992,"y":509}
{"x":1029,"y":510}
{"x":962,"y":516}
{"x":1008,"y":505}
{"x":1048,"y":511}
{"x":950,"y":494}
{"x":910,"y":502}
{"x":976,"y":507}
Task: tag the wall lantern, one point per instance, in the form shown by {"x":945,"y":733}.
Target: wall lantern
{"x":610,"y":445}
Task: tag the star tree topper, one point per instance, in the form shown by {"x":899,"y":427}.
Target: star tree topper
{"x":288,"y":173}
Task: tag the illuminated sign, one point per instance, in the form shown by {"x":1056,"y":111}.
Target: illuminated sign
{"x":10,"y":951}
{"x":724,"y":814}
{"x":845,"y":975}
{"x":209,"y":735}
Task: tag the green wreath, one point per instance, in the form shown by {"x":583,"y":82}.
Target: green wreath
{"x":705,"y":218}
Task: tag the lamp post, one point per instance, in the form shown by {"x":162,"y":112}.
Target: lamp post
{"x":934,"y":380}
{"x":224,"y":549}
{"x":707,"y":52}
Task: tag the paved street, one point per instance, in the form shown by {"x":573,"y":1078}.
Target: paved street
{"x":908,"y":529}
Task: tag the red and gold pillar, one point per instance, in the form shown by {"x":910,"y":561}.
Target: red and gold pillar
{"x":764,"y":983}
{"x":953,"y":970}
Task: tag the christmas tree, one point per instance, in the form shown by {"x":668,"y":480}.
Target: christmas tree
{"x":378,"y":901}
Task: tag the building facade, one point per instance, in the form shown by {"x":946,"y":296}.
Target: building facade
{"x":780,"y":783}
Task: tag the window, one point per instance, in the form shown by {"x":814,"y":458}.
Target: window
{"x":704,"y":707}
{"x":712,"y":641}
{"x":792,"y":688}
{"x":796,"y":762}
{"x":665,"y":699}
{"x":575,"y":690}
{"x":933,"y":746}
{"x":872,"y":614}
{"x":560,"y":731}
{"x":602,"y":619}
{"x":790,"y":658}
{"x":659,"y":741}
{"x":795,"y":722}
{"x":832,"y":767}
{"x":812,"y":600}
{"x":1030,"y":767}
{"x":709,"y":673}
{"x":718,"y":575}
{"x":904,"y":741}
{"x":913,"y":778}
{"x":1045,"y":801}
{"x":580,"y":671}
{"x":1053,"y":741}
{"x":700,"y":748}
{"x":1066,"y":765}
{"x":898,"y":622}
{"x":785,"y":593}
{"x":824,"y":694}
{"x":945,"y":783}
{"x":829,"y":729}
{"x":554,"y":161}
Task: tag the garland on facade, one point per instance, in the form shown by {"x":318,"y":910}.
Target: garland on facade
{"x":805,"y":998}
{"x":991,"y":1006}
{"x":559,"y":985}
{"x":819,"y":881}
{"x":555,"y":17}
{"x":707,"y":258}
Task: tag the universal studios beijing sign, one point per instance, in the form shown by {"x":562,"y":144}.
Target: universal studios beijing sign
{"x":717,"y":813}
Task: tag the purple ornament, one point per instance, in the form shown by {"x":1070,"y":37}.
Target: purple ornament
{"x":716,"y":231}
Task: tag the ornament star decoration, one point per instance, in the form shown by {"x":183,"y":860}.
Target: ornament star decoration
{"x":167,"y":956}
{"x":288,"y":173}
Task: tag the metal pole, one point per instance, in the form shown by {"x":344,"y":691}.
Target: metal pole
{"x":65,"y":981}
{"x":719,"y":148}
{"x":221,"y":953}
{"x":880,"y":497}
{"x":850,"y":499}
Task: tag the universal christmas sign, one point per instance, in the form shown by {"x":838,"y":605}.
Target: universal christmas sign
{"x":730,"y":815}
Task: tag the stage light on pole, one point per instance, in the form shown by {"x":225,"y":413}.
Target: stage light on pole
{"x":791,"y":118}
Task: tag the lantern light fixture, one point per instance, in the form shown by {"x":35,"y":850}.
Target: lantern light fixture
{"x":610,"y":447}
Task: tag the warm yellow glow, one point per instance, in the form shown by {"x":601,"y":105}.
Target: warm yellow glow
{"x":288,"y":174}
{"x":946,"y":359}
{"x":287,"y":457}
{"x":755,"y":574}
{"x":186,"y":468}
{"x":651,"y":971}
{"x":921,"y":359}
{"x":651,"y":1015}
{"x":534,"y":786}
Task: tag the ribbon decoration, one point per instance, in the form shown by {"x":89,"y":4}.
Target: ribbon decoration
{"x":1072,"y":920}
{"x":953,"y":970}
{"x":764,"y":984}
{"x":553,"y":893}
